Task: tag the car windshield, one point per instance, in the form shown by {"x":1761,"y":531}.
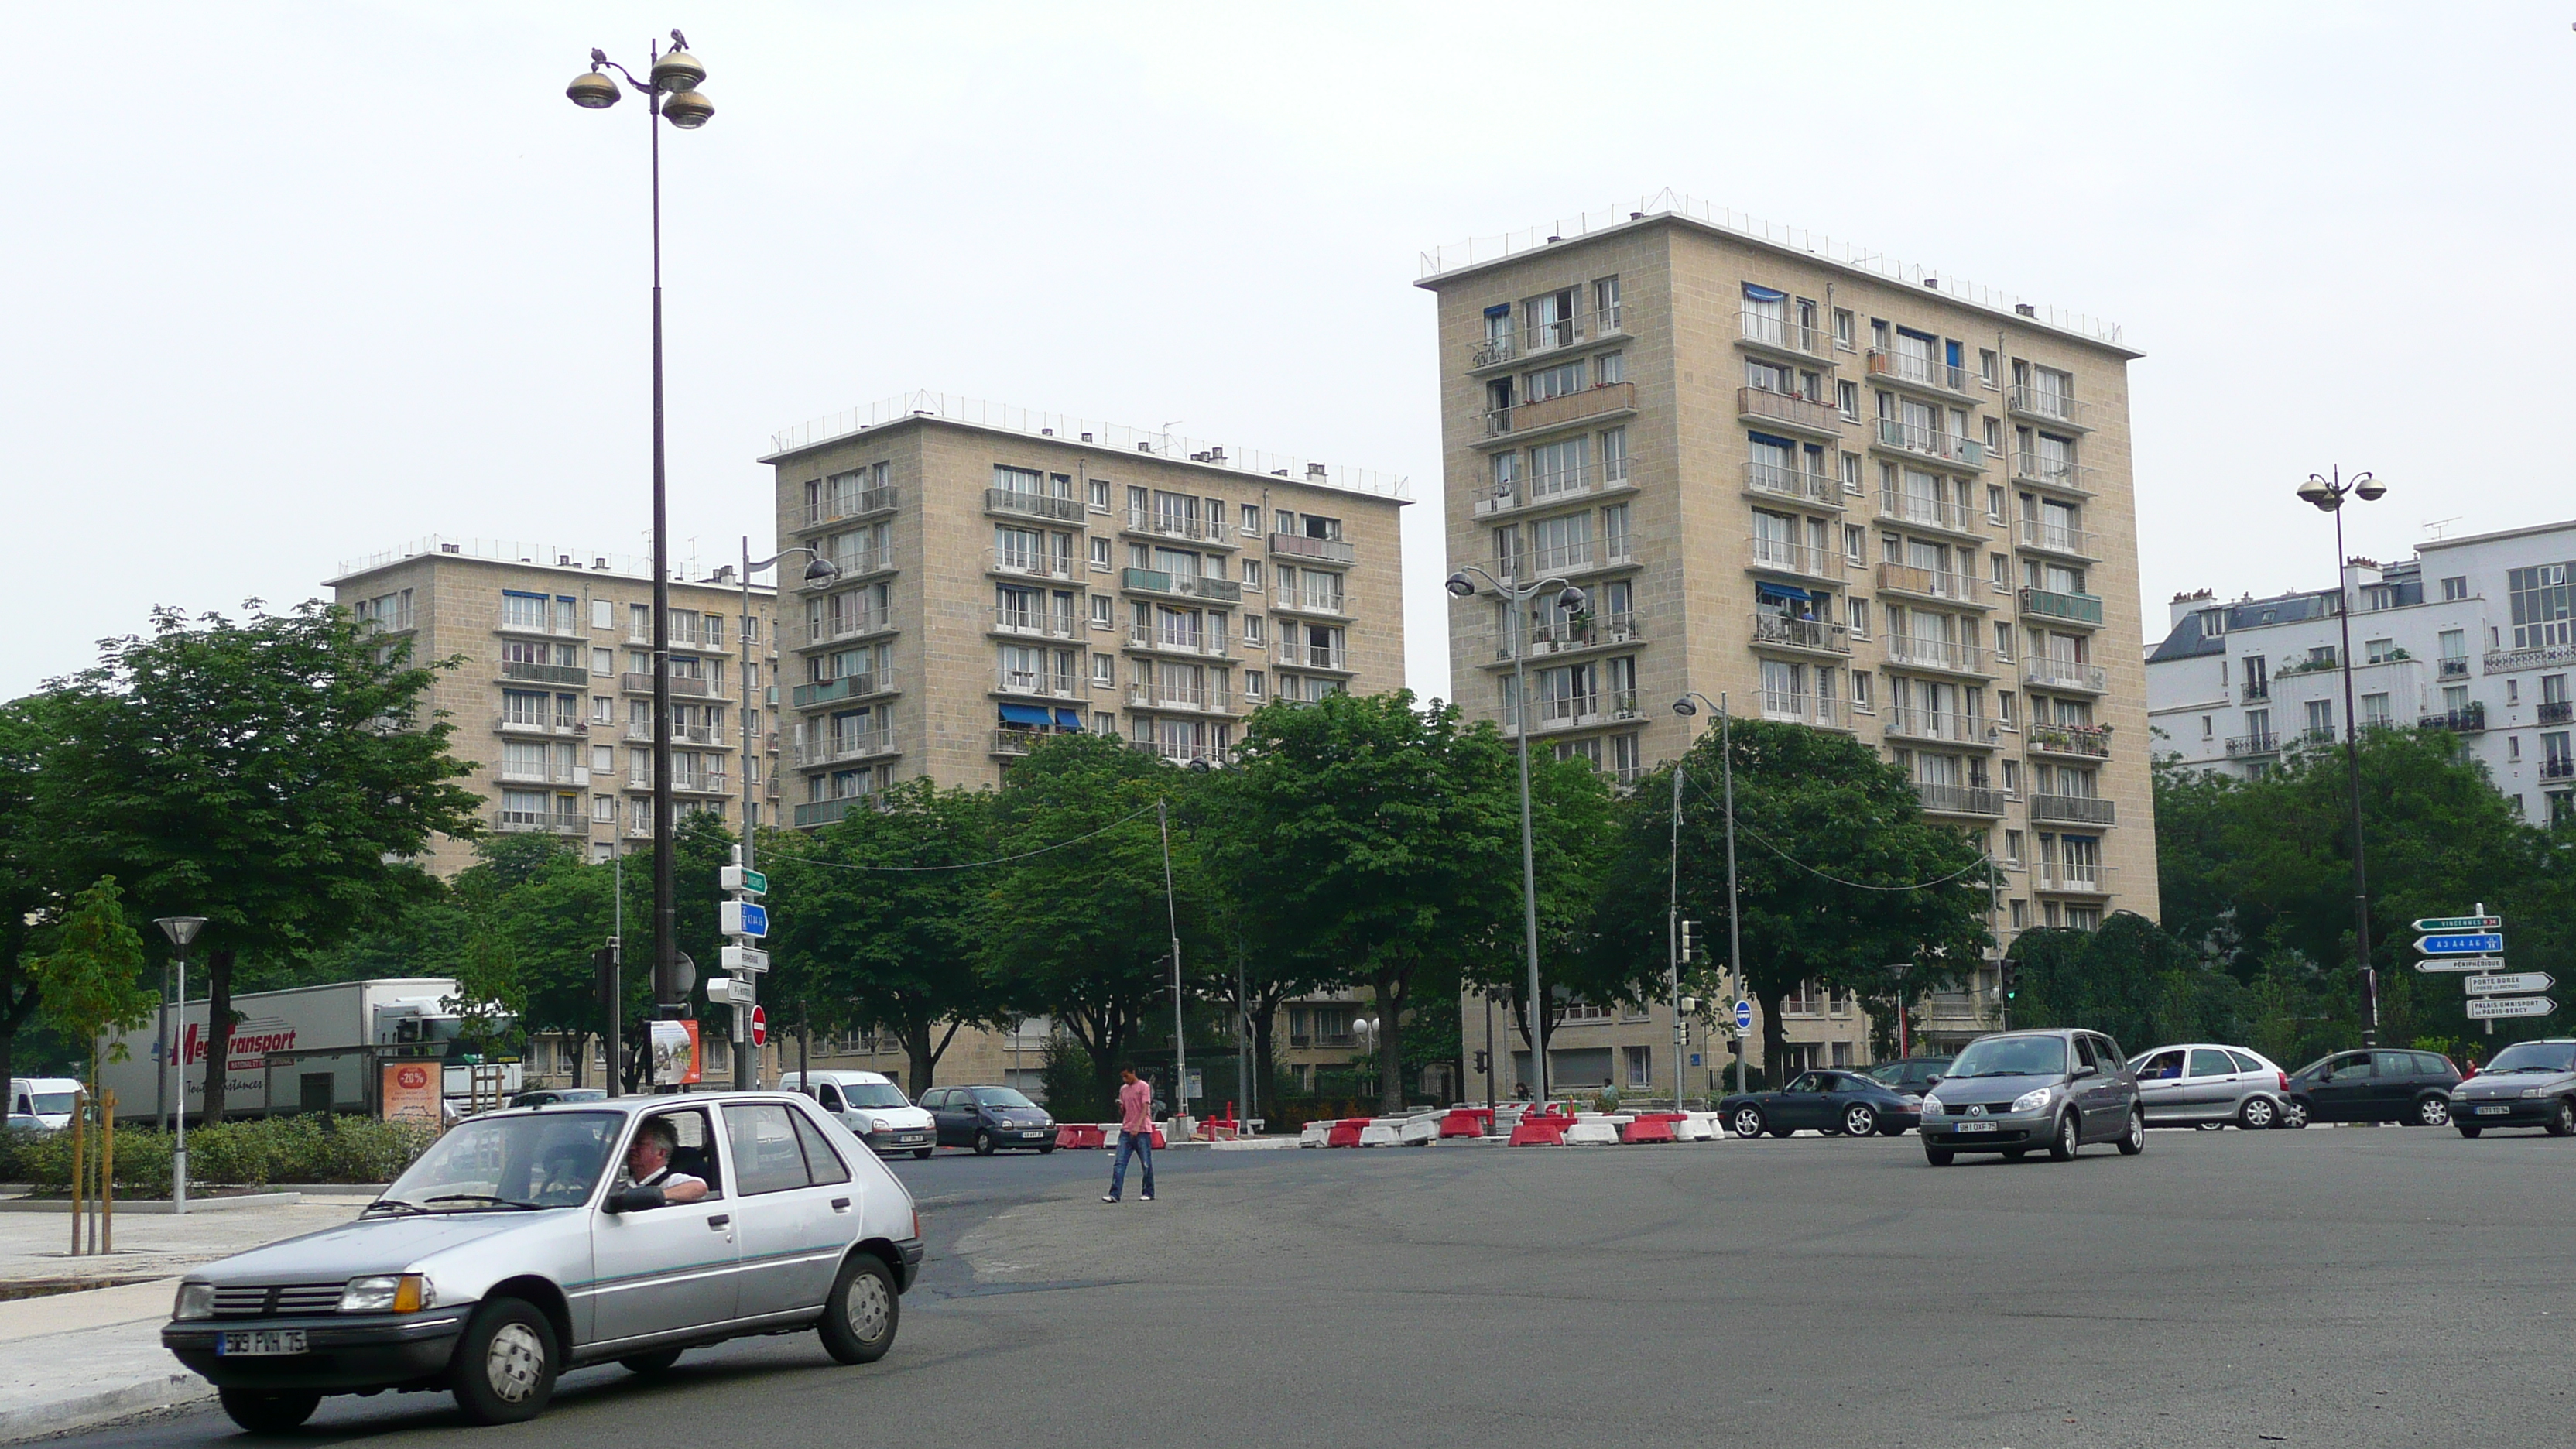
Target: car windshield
{"x":874,"y":1094}
{"x":2010,"y":1056}
{"x":50,"y":1104}
{"x":545,"y":1159}
{"x":1001,"y":1097}
{"x":2535,"y":1056}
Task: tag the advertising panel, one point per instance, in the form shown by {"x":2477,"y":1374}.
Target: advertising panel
{"x":410,"y":1091}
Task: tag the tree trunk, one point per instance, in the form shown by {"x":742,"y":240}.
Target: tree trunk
{"x":1775,"y":1040}
{"x":1264,"y":1077}
{"x":219,"y":1030}
{"x":1391,"y":987}
{"x":18,"y":1001}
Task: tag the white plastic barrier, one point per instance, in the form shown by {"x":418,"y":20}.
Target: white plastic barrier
{"x":1591,"y":1130}
{"x":1381,"y":1132}
{"x":1314,"y":1133}
{"x":1417,"y":1131}
{"x":1691,"y":1129}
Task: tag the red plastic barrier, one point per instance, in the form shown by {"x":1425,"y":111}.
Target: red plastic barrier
{"x":1465,"y":1123}
{"x":1539,"y":1132}
{"x":1069,"y":1135}
{"x":1346,"y":1132}
{"x":1661,"y":1116}
{"x":1648,"y":1129}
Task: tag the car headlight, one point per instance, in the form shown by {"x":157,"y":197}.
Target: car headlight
{"x":388,"y":1293}
{"x":196,"y":1300}
{"x":2034,"y":1100}
{"x":2533,"y":1092}
{"x":1932,"y":1105}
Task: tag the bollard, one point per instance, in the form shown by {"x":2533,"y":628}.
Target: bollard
{"x":80,"y":1168}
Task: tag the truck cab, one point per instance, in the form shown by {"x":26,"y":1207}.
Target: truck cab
{"x":47,"y":1099}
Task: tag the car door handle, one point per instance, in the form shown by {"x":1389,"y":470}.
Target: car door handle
{"x":840,"y":1204}
{"x":720,"y":1221}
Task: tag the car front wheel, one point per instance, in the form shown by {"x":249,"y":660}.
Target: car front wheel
{"x":2062,"y":1147}
{"x":2258,"y":1115}
{"x":1747,"y":1122}
{"x":2294,"y":1114}
{"x":1937,"y":1156}
{"x":1860,"y":1121}
{"x":504,"y":1370}
{"x":264,"y":1411}
{"x":2562,"y":1122}
{"x":922,"y":1154}
{"x":2433,"y":1112}
{"x":2468,"y":1131}
{"x":863,"y":1311}
{"x":658,"y":1361}
{"x":2134,"y":1141}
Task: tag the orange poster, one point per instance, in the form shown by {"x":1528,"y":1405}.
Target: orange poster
{"x":411,"y":1091}
{"x":676,"y":1059}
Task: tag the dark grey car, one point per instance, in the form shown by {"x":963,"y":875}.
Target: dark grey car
{"x":2021,"y":1091}
{"x":2529,"y":1084}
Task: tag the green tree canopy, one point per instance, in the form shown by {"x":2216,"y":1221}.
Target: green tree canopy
{"x":92,"y":979}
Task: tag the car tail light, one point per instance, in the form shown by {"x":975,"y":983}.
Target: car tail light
{"x":916,"y":1223}
{"x":2285,"y":1080}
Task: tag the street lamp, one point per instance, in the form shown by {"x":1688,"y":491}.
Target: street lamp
{"x":2327,"y":494}
{"x":181,"y":930}
{"x":1685,"y":707}
{"x":820,"y":571}
{"x":670,"y":93}
{"x":1569,"y":599}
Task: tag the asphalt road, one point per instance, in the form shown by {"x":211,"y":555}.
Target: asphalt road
{"x":2352,"y":1287}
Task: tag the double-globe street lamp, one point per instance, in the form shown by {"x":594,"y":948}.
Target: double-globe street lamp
{"x":2327,"y":493}
{"x":1569,"y":600}
{"x":820,"y":571}
{"x":670,"y":93}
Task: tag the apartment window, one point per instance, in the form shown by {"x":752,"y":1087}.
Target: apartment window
{"x":1986,"y":366}
{"x":2455,"y":588}
{"x":1847,"y":398}
{"x":1100,"y":554}
{"x":1994,"y":499}
{"x":603,"y":661}
{"x":1846,"y":328}
{"x":1608,"y":368}
{"x":1252,"y":573}
{"x":2374,"y":711}
{"x":1641,"y":1064}
{"x":1253,"y":684}
{"x":2011,"y":777}
{"x":1095,"y":494}
{"x":603,"y":614}
{"x":1605,"y":303}
{"x":2321,"y":718}
{"x":1251,"y":518}
{"x":1860,"y":687}
{"x":1252,"y":629}
{"x":2004,"y":707}
{"x":1104,"y":669}
{"x":2377,"y":650}
{"x":2012,"y":847}
{"x":2003,"y":640}
{"x":1855,"y":543}
{"x":1851,"y":473}
{"x":1859,"y":612}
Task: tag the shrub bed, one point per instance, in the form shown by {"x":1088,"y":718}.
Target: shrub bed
{"x":250,"y":1153}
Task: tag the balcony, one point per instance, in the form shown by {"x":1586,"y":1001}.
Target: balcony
{"x":526,"y":673}
{"x":714,"y":637}
{"x":701,"y":782}
{"x":848,"y":686}
{"x":2087,"y":742}
{"x":641,"y":732}
{"x":1041,"y":683}
{"x":1200,"y":644}
{"x":2251,"y":746}
{"x":2085,"y":609}
{"x":559,"y":728}
{"x":539,"y":822}
{"x":1788,"y":410}
{"x":1580,"y":556}
{"x":1778,"y":334}
{"x":1951,"y":727}
{"x":1021,"y":741}
{"x":541,"y":627}
{"x":2049,"y":672}
{"x":542,"y":775}
{"x":852,"y":503}
{"x":1028,"y":564}
{"x":1179,"y":753}
{"x":2072,"y":878}
{"x":1551,"y":486}
{"x":1905,"y":369}
{"x":1032,"y":505}
{"x":2060,"y":538}
{"x":1809,"y":636}
{"x":1933,"y":513}
{"x":1940,"y":799}
{"x":2556,"y":711}
{"x":853,"y":563}
{"x":832,"y":747}
{"x":1780,"y":556}
{"x":2061,"y":474}
{"x":2469,"y":719}
{"x":681,"y":684}
{"x":1208,"y":698}
{"x":1328,"y":657}
{"x":1034,"y":623}
{"x":1806,"y":709}
{"x":1581,"y":711}
{"x":1321,"y":550}
{"x":1947,"y":588}
{"x":1183,"y":527}
{"x":2257,"y":690}
{"x":2073,"y":810}
{"x":1515,"y":341}
{"x":855,"y":624}
{"x":1921,"y":442}
{"x":1607,"y":400}
{"x":2506,"y":661}
{"x":2452,"y":667}
{"x":2558,"y":767}
{"x":1793,"y":485}
{"x":1947,"y":655}
{"x":1336,"y":606}
{"x":1157,"y":581}
{"x":2049,"y":407}
{"x":828,"y":812}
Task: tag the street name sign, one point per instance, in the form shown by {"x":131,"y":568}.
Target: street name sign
{"x":2460,"y":923}
{"x":2511,"y":983}
{"x":742,"y":918}
{"x":1743,"y":1015}
{"x":745,"y":960}
{"x":2495,"y":1008}
{"x":753,"y":883}
{"x":736,"y":990}
{"x":2466,"y":943}
{"x":2461,"y":963}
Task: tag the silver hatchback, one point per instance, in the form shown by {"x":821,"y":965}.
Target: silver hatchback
{"x":2210,"y":1085}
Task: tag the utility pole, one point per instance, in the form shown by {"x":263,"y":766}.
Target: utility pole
{"x":1172,"y":916}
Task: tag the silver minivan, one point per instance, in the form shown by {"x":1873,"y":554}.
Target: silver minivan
{"x":2210,"y":1085}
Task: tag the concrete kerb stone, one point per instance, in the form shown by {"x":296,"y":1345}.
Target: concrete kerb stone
{"x":160,"y":1207}
{"x":166,"y":1389}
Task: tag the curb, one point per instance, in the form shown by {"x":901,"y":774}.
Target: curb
{"x":161,"y":1391}
{"x":156,"y":1207}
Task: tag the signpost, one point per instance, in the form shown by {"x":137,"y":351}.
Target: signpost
{"x":2461,"y":963}
{"x":2494,"y":1008}
{"x":2460,"y":923}
{"x":2464,"y":943}
{"x":742,"y":918}
{"x":744,"y":960}
{"x":2512,"y":983}
{"x":760,"y":1026}
{"x":2474,"y":944}
{"x":1743,"y":1015}
{"x":743,"y":921}
{"x":731,"y":990}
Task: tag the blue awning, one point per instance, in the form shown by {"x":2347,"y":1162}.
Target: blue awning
{"x":1068,"y":719}
{"x":1027,"y":714}
{"x":1780,"y":591}
{"x":1763,"y":294}
{"x":1769,"y":440}
{"x":1499,"y":309}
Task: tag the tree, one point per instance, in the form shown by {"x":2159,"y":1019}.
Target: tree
{"x":1572,"y":838}
{"x":2130,"y":979}
{"x":1842,"y":880}
{"x":262,"y":774}
{"x":92,"y":978}
{"x":27,"y":894}
{"x":876,"y":922}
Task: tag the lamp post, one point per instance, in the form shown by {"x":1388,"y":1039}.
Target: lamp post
{"x":181,"y":930}
{"x":1685,"y":707}
{"x":1568,"y":600}
{"x":820,"y":571}
{"x":2327,"y":493}
{"x":670,"y":93}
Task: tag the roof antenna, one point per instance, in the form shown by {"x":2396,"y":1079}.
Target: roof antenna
{"x":2435,"y":526}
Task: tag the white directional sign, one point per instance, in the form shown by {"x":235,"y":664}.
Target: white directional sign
{"x":736,"y":990}
{"x":742,"y":960}
{"x":2461,"y":963}
{"x":2510,"y":983}
{"x":2495,"y":1008}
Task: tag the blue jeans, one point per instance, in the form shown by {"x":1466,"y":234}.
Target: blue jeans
{"x":1141,"y":1144}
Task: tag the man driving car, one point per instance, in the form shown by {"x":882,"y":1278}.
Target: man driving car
{"x":648,"y":1163}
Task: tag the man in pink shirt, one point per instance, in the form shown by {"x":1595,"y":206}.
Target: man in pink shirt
{"x":1135,"y":1134}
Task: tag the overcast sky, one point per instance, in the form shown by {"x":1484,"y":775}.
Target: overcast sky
{"x":290,"y":284}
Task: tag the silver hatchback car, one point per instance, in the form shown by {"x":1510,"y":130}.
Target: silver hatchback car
{"x":2208,"y":1085}
{"x":520,"y":1246}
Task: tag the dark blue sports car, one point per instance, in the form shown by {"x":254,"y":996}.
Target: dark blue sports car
{"x":1836,"y":1103}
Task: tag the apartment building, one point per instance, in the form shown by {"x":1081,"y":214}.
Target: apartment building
{"x":553,"y":704}
{"x":1841,"y":491}
{"x":2473,"y":635}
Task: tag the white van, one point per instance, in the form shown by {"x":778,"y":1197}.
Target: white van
{"x":49,"y":1099}
{"x":871,"y":1105}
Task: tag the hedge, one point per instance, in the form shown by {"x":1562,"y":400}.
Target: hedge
{"x":250,"y":1153}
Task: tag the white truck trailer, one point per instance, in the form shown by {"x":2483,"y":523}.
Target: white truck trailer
{"x":306,"y":1049}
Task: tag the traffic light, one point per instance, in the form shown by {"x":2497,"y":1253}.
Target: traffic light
{"x":1481,"y":1061}
{"x":603,"y":966}
{"x":2005,"y":974}
{"x":1690,"y":941}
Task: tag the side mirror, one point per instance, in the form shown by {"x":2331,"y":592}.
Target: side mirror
{"x":2080,"y":1072}
{"x":632,"y":1200}
{"x":1931,"y":1081}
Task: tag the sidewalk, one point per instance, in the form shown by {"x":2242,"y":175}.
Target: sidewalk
{"x":68,"y":1360}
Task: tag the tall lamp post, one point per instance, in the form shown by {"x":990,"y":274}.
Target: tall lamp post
{"x":2327,"y":493}
{"x":1686,"y":707}
{"x":181,"y":930}
{"x":670,"y":93}
{"x":820,"y":571}
{"x":1569,"y":599}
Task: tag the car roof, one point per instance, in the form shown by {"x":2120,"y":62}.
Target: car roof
{"x":637,"y":1104}
{"x":841,"y":1078}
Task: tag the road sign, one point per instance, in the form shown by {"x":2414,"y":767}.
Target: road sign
{"x":2495,"y":1008}
{"x":2460,"y":923}
{"x":736,"y":990}
{"x":1743,"y":1015}
{"x":2461,"y":963}
{"x":2511,"y":983}
{"x":760,"y":1026}
{"x":745,"y":960}
{"x":742,"y":918}
{"x":749,"y":882}
{"x":2462,"y":944}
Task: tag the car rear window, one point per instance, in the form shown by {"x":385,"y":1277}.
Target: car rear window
{"x":2431,"y":1065}
{"x":2245,"y":1063}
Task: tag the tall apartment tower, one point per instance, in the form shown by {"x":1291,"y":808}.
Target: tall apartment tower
{"x":554,"y":702}
{"x":1007,"y":575}
{"x":1841,"y":492}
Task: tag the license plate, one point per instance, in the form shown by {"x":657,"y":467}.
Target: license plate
{"x":1976,"y":1126}
{"x":260,"y":1343}
{"x":2497,"y":1111}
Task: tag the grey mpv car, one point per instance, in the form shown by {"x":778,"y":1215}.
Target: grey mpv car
{"x":2018,"y":1091}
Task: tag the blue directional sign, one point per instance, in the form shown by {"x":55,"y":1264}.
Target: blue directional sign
{"x":1743,"y":1015}
{"x":2467,"y":944}
{"x":742,"y":918}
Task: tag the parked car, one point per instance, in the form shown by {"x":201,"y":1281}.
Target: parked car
{"x":2207,"y":1085}
{"x":2016,"y":1091}
{"x":2529,"y":1084}
{"x":2380,"y":1085}
{"x":558,"y":1096}
{"x":48,"y":1099}
{"x":870,"y":1105}
{"x":1911,"y":1074}
{"x":989,"y":1119}
{"x":518,"y":1247}
{"x":29,"y":1122}
{"x":1852,"y":1104}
